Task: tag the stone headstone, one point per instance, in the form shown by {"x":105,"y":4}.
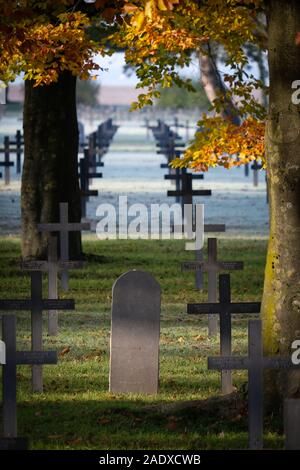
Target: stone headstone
{"x":135,"y":329}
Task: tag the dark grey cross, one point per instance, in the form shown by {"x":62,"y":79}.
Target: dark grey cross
{"x":169,"y":147}
{"x":174,"y":171}
{"x":89,"y":155}
{"x":85,"y":176}
{"x":225,"y":308}
{"x":255,"y":363}
{"x":255,"y":167}
{"x":178,"y":177}
{"x":36,"y":304}
{"x":208,"y":228}
{"x":18,"y":143}
{"x":7,"y":162}
{"x":96,"y":148}
{"x":9,"y":380}
{"x":52,"y":267}
{"x":212,"y":267}
{"x":63,"y":227}
{"x":187,"y":192}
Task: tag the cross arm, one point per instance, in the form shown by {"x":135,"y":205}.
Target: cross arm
{"x":13,"y":443}
{"x":44,"y":265}
{"x":36,"y":357}
{"x":218,"y":266}
{"x":28,"y":304}
{"x":91,"y":192}
{"x":57,"y":227}
{"x":228,"y":363}
{"x":175,"y":177}
{"x":94,"y":175}
{"x":245,"y":307}
{"x":194,"y":192}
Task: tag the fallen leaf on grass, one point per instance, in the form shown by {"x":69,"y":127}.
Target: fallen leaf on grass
{"x":65,"y":351}
{"x":172,"y":426}
{"x":200,"y":337}
{"x":173,"y":423}
{"x":104,"y":421}
{"x":74,"y":442}
{"x":236,"y":418}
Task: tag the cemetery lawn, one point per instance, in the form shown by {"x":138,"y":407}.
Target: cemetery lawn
{"x":76,"y":411}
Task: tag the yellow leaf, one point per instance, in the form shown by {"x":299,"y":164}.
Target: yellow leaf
{"x":138,"y":21}
{"x":161,"y":5}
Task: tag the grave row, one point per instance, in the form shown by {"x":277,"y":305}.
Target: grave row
{"x":170,"y":145}
{"x":166,"y":140}
{"x":97,"y":146}
{"x":36,"y":304}
{"x":11,"y":146}
{"x":134,"y":359}
{"x":135,"y":331}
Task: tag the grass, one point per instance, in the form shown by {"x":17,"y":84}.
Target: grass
{"x":76,"y":411}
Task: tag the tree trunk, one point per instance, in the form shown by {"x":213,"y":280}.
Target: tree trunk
{"x":213,"y":85}
{"x":281,"y":299}
{"x":50,"y":172}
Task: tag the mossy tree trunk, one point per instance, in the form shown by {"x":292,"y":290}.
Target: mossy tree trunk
{"x":50,"y":172}
{"x":281,"y":299}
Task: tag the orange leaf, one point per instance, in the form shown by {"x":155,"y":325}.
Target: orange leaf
{"x":65,"y":351}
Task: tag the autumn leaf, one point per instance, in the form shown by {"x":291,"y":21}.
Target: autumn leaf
{"x":65,"y":351}
{"x":130,"y":8}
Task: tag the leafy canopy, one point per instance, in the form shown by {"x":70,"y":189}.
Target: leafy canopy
{"x":45,"y":38}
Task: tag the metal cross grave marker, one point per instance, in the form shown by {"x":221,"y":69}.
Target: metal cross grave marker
{"x":255,"y":363}
{"x":9,"y":380}
{"x":225,"y":308}
{"x":63,"y":227}
{"x":36,"y":305}
{"x":212,"y":267}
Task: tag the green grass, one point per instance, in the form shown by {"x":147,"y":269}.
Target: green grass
{"x":76,"y":411}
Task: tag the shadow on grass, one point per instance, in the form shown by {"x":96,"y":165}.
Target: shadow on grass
{"x":115,"y":424}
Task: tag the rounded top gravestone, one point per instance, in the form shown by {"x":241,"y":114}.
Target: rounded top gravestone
{"x":135,"y":328}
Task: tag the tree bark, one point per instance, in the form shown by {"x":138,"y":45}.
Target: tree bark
{"x":212,"y":83}
{"x":281,"y":298}
{"x":50,"y":172}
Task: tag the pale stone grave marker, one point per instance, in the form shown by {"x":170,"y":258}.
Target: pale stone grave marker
{"x":135,"y":329}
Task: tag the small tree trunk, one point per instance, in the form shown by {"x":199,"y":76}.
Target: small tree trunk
{"x":50,"y":172}
{"x":281,"y":299}
{"x":213,"y":85}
